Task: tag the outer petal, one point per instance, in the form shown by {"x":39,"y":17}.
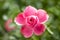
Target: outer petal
{"x":39,"y":29}
{"x":7,"y":25}
{"x":42,"y":15}
{"x":20,"y":19}
{"x":27,"y":32}
{"x":30,"y":11}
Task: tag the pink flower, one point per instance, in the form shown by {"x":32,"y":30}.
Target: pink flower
{"x":32,"y":21}
{"x":7,"y":25}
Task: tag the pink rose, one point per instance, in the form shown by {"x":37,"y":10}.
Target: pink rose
{"x":7,"y":25}
{"x":32,"y":21}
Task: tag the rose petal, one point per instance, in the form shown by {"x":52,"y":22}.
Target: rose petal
{"x":39,"y":29}
{"x":27,"y":32}
{"x":42,"y":15}
{"x":20,"y":19}
{"x":30,"y":11}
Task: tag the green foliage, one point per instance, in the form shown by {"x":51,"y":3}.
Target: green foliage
{"x":10,"y":8}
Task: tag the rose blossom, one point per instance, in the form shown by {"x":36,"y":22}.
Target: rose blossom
{"x":32,"y":21}
{"x":7,"y":25}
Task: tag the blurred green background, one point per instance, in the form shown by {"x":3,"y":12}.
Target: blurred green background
{"x":10,"y":8}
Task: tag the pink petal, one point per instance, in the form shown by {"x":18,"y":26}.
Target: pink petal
{"x":7,"y":25}
{"x":29,"y":10}
{"x":42,"y":15}
{"x":39,"y":29}
{"x":20,"y":19}
{"x":27,"y":32}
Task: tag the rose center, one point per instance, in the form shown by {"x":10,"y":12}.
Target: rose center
{"x":32,"y":20}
